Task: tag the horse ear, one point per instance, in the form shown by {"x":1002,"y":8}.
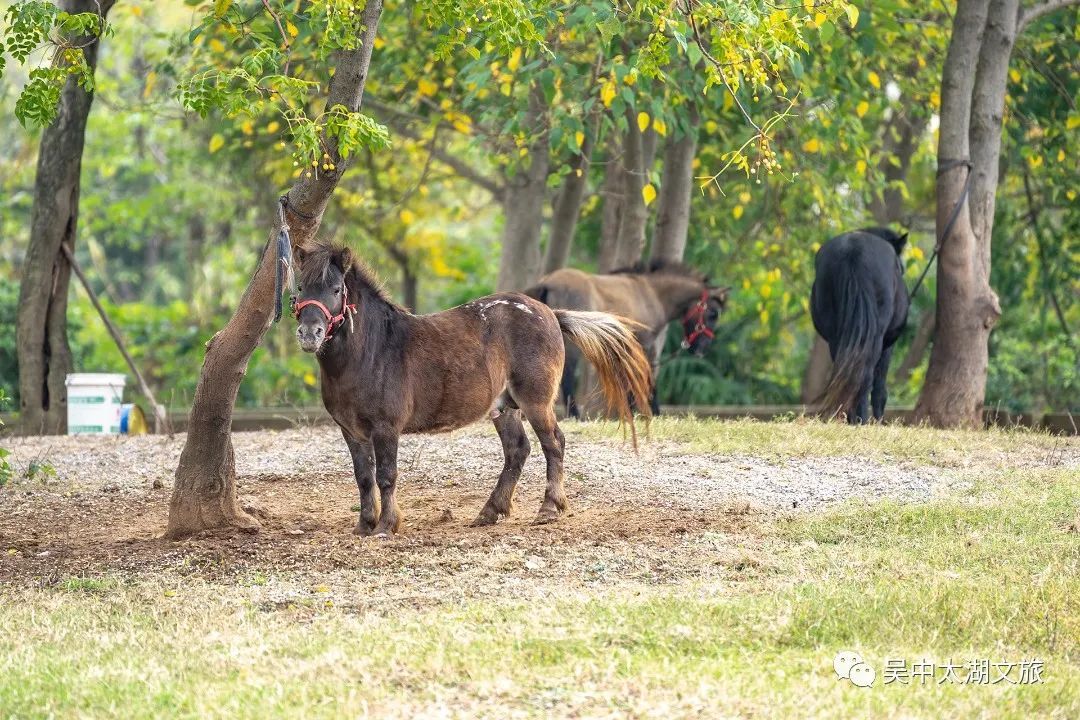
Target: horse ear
{"x":299,"y":254}
{"x":720,"y":294}
{"x":344,"y":260}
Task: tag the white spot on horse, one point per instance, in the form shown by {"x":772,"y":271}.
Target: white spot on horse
{"x":492,"y":303}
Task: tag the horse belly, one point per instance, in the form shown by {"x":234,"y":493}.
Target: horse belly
{"x":466,"y":395}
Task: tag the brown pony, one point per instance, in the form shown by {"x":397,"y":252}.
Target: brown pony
{"x":386,"y":372}
{"x":651,"y":295}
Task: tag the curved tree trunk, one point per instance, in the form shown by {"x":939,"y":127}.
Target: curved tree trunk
{"x":523,"y":204}
{"x":204,"y":492}
{"x":676,"y":192}
{"x":973,"y":101}
{"x":611,"y":215}
{"x":635,"y":213}
{"x":41,"y":335}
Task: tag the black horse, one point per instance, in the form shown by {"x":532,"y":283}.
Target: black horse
{"x":859,"y":305}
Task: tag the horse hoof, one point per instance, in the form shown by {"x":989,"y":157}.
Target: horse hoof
{"x":363,"y":530}
{"x":546,"y":517}
{"x":483,"y":520}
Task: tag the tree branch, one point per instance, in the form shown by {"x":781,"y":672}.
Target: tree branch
{"x":1033,"y":13}
{"x":393,"y":118}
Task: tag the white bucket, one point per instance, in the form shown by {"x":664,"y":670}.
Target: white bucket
{"x":94,"y":403}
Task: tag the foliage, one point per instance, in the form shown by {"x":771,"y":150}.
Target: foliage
{"x":38,"y":27}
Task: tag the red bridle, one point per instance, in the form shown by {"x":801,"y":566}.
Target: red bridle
{"x":332,"y":320}
{"x":696,"y":314}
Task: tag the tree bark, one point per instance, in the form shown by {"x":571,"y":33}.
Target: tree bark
{"x":923,"y":335}
{"x":676,"y":193}
{"x":204,"y":492}
{"x":523,"y":204}
{"x":973,"y":99}
{"x":818,"y":369}
{"x":611,"y":215}
{"x":635,"y":213}
{"x":41,"y":322}
{"x":901,"y":141}
{"x":567,"y":209}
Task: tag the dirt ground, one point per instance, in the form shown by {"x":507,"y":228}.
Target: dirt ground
{"x":663,"y":516}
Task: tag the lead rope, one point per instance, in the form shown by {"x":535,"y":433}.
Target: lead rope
{"x":943,"y":167}
{"x":284,"y":273}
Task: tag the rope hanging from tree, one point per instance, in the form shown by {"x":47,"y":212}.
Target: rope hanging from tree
{"x":284,"y":273}
{"x":945,"y":166}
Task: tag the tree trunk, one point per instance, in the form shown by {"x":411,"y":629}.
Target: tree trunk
{"x":523,"y":204}
{"x":204,"y":492}
{"x":611,"y":216}
{"x":818,"y":369}
{"x":973,"y":101}
{"x":901,"y":141}
{"x":635,"y":213}
{"x":567,"y":209}
{"x":676,"y":193}
{"x":41,"y":335}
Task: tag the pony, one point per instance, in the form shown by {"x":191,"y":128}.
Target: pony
{"x":385,"y":371}
{"x":859,"y":305}
{"x":651,"y":294}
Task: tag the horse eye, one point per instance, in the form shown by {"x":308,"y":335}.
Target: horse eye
{"x":337,"y":291}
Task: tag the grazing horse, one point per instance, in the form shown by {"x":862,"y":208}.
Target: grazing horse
{"x":385,"y":371}
{"x":859,"y":304}
{"x":652,"y":295}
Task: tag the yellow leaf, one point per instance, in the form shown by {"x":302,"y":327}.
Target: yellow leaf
{"x":642,"y":121}
{"x":812,"y":145}
{"x":1014,"y":75}
{"x":217,"y":46}
{"x":764,"y":315}
{"x":648,"y":193}
{"x":136,"y":11}
{"x":151,"y":81}
{"x":874,"y":79}
{"x":216,"y":142}
{"x":247,"y":127}
{"x":660,"y":127}
{"x":852,"y":15}
{"x":819,"y":19}
{"x":1071,"y":194}
{"x":711,"y":127}
{"x":744,"y":197}
{"x":861,"y":108}
{"x":505,"y":89}
{"x":737,"y":211}
{"x":766,"y":291}
{"x":1035,"y":160}
{"x":272,"y":126}
{"x":917,"y":253}
{"x":607,"y":93}
{"x":1061,"y":155}
{"x":426,"y":87}
{"x":291,"y":29}
{"x":379,"y":43}
{"x":860,"y":166}
{"x":1073,"y":122}
{"x":309,"y":378}
{"x":631,"y":77}
{"x":579,"y":137}
{"x":407,"y":216}
{"x":515,"y":60}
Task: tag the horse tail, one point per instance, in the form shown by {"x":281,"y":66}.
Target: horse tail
{"x":856,"y":348}
{"x":537,"y":292}
{"x":607,"y":341}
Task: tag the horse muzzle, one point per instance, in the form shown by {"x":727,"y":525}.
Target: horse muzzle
{"x":310,"y":337}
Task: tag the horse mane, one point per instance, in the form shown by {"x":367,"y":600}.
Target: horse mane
{"x":661,"y":266}
{"x":315,"y":262}
{"x":889,"y":235}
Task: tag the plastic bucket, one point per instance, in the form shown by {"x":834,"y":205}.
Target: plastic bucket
{"x":94,"y":403}
{"x":132,"y":420}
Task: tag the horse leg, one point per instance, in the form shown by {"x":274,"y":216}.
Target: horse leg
{"x":569,"y":383}
{"x":880,"y":394}
{"x":654,"y":367}
{"x":542,"y":419}
{"x":385,"y":441}
{"x":516,"y":450}
{"x":363,"y":458}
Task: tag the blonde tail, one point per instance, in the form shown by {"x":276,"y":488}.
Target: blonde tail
{"x":608,"y":342}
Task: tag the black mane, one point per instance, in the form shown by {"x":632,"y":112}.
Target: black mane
{"x":660,"y":266}
{"x":315,"y":263}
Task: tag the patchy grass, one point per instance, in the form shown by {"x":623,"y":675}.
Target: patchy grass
{"x":809,"y":437}
{"x":988,"y":570}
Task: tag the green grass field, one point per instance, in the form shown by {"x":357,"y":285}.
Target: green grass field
{"x":987,"y":569}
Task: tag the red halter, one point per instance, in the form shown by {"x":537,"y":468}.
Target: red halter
{"x":696,"y":315}
{"x":332,"y":320}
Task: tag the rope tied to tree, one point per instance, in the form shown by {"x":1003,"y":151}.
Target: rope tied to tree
{"x":945,"y":166}
{"x":284,"y":273}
